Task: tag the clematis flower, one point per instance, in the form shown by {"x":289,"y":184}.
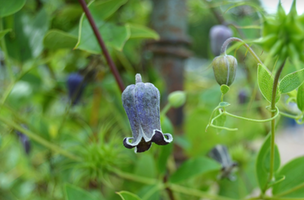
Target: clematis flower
{"x":141,"y":103}
{"x":220,"y":154}
{"x":218,"y":34}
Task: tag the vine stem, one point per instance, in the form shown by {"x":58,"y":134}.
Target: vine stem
{"x":273,"y":106}
{"x":273,"y":102}
{"x":172,"y":186}
{"x":229,"y":40}
{"x":39,"y":139}
{"x":5,"y":53}
{"x":102,"y":45}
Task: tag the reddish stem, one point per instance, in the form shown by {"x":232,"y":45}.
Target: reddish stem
{"x":102,"y":46}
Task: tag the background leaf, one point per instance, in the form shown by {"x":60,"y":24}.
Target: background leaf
{"x":291,"y":81}
{"x":128,"y":195}
{"x":113,"y":35}
{"x":263,"y":162}
{"x":2,"y":33}
{"x":75,"y":193}
{"x":56,"y":39}
{"x":137,"y":31}
{"x":265,"y":82}
{"x":10,"y":7}
{"x":294,"y":179}
{"x":26,"y":41}
{"x":104,"y":9}
{"x":194,"y":167}
{"x":145,"y":166}
{"x":300,"y":97}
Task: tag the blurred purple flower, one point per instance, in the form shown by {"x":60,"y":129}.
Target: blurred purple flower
{"x":218,"y":35}
{"x":242,"y":97}
{"x":141,"y":103}
{"x":76,"y":85}
{"x":24,"y":140}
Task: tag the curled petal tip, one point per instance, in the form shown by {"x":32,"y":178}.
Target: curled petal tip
{"x":127,"y":144}
{"x":161,"y":139}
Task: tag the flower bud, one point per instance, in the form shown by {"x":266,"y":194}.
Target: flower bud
{"x":224,"y":68}
{"x":177,"y":98}
{"x":218,"y":35}
{"x":75,"y":84}
{"x":141,"y":103}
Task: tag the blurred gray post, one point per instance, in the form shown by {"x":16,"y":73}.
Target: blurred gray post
{"x":169,"y":19}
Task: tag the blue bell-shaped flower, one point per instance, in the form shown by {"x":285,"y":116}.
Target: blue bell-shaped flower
{"x":141,"y":103}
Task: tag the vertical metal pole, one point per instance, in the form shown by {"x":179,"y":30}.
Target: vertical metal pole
{"x":169,"y":19}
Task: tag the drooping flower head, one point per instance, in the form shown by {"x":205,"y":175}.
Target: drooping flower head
{"x":141,"y":103}
{"x":220,"y":154}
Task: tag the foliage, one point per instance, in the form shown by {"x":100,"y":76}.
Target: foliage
{"x":75,"y":150}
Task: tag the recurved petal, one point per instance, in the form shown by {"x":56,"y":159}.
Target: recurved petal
{"x":128,"y":102}
{"x":147,"y":105}
{"x":161,"y":138}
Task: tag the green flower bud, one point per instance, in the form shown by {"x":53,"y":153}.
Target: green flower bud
{"x":224,"y":68}
{"x":177,"y":98}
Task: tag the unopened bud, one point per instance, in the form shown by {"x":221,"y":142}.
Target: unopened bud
{"x":177,"y":98}
{"x":224,"y":68}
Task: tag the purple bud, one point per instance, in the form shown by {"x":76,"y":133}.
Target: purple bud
{"x":75,"y":84}
{"x":218,"y":35}
{"x":141,"y":103}
{"x":242,"y":97}
{"x":24,"y":140}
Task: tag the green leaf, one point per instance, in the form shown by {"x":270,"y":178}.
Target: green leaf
{"x":300,"y":97}
{"x":104,"y":9}
{"x":113,"y":35}
{"x":2,"y":33}
{"x":145,"y":166}
{"x":220,"y":121}
{"x":194,"y":167}
{"x":224,"y":88}
{"x":263,"y":163}
{"x":137,"y":31}
{"x":127,"y":195}
{"x":9,"y":7}
{"x":26,"y":41}
{"x":165,"y":152}
{"x":150,"y":192}
{"x":233,"y":189}
{"x":224,"y":104}
{"x":56,"y":39}
{"x":76,"y":193}
{"x":265,"y":82}
{"x":291,"y":81}
{"x":293,"y":185}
